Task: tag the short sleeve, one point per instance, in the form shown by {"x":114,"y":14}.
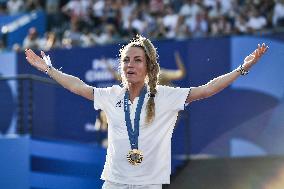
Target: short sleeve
{"x":103,"y":96}
{"x":174,"y":98}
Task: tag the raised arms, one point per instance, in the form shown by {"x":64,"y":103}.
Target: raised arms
{"x":69,"y":82}
{"x":217,"y":84}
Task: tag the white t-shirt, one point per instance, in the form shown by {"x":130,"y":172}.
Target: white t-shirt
{"x":154,"y":140}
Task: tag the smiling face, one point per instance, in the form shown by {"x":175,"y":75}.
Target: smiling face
{"x":134,"y":65}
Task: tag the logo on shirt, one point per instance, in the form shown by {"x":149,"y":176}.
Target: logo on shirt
{"x":118,"y":104}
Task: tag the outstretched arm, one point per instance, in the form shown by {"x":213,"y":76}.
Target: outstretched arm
{"x":218,"y":84}
{"x":69,"y":82}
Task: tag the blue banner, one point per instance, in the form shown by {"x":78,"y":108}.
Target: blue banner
{"x":8,"y":93}
{"x":227,"y":124}
{"x":15,"y":27}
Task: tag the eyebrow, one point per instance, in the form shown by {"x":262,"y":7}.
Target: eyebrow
{"x":134,"y":57}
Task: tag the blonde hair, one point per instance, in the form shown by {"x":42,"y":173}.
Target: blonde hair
{"x":153,"y":70}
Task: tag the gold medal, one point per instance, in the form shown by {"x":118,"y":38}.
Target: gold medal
{"x":134,"y":157}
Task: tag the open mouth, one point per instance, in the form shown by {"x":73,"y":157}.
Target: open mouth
{"x":130,"y":73}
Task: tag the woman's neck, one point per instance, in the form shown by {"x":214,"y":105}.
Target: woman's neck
{"x":134,"y":90}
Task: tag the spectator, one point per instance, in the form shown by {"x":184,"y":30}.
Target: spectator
{"x":137,"y":22}
{"x":109,"y":35}
{"x":126,"y":9}
{"x":111,"y":12}
{"x":182,"y":31}
{"x":98,"y":8}
{"x":145,"y":18}
{"x":160,"y":31}
{"x":77,"y":9}
{"x":33,"y":5}
{"x":170,"y":21}
{"x":220,"y":26}
{"x":50,"y":42}
{"x":278,"y":13}
{"x":151,"y":18}
{"x":15,"y":6}
{"x":256,"y":21}
{"x":32,"y":40}
{"x":16,"y":47}
{"x":88,"y":38}
{"x":189,"y":9}
{"x":71,"y":37}
{"x":54,"y":16}
{"x":241,"y":24}
{"x":209,"y":4}
{"x":216,"y":11}
{"x":156,"y":6}
{"x":226,"y":5}
{"x":198,"y":27}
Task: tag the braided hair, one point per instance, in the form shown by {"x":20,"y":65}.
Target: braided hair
{"x":153,"y":70}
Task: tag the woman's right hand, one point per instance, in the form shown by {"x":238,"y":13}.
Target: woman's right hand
{"x":35,"y":60}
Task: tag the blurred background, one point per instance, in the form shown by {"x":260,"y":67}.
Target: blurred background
{"x":51,"y":138}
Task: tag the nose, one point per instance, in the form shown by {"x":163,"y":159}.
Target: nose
{"x":130,"y":63}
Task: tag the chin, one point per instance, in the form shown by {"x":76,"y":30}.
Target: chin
{"x":133,"y":82}
{"x":131,"y":79}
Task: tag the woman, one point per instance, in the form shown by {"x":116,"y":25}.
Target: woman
{"x":141,"y":114}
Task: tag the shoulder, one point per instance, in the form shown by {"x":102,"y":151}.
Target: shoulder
{"x":113,"y":87}
{"x":116,"y":88}
{"x":172,"y":98}
{"x":164,"y":88}
{"x":168,"y":91}
{"x":113,"y":90}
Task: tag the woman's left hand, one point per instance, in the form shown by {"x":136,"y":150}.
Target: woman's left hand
{"x":255,"y":56}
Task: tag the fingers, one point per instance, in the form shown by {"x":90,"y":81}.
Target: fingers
{"x":30,"y":60}
{"x":33,"y":58}
{"x":42,"y":54}
{"x":264,"y":47}
{"x":31,"y":55}
{"x":261,"y":49}
{"x":257,"y":53}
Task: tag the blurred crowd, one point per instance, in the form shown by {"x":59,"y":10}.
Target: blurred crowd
{"x":94,"y":22}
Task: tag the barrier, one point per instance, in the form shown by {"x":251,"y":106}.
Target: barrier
{"x":32,"y":163}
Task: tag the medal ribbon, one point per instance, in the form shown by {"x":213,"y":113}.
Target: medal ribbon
{"x":133,"y":133}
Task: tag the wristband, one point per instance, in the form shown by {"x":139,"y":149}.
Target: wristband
{"x":47,"y":69}
{"x":242,"y":70}
{"x":48,"y":63}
